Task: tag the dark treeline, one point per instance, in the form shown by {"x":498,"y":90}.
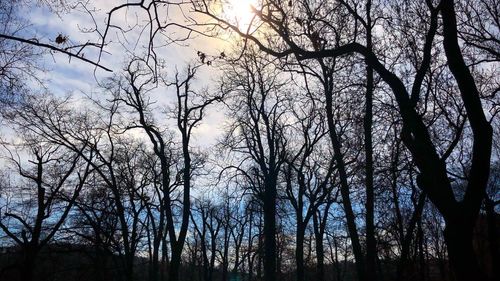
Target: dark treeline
{"x":359,"y":141}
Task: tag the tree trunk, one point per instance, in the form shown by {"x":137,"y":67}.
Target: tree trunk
{"x":225,"y":258}
{"x":299,"y":251}
{"x":270,"y":232}
{"x":421,"y":257}
{"x":461,"y":253}
{"x":344,"y":187}
{"x":371,"y":247}
{"x":320,"y":257}
{"x":177,"y":246}
{"x":175,"y":263}
{"x":338,"y":270}
{"x":129,"y":270}
{"x":27,"y":270}
{"x":406,"y":242}
{"x":320,"y":253}
{"x":155,"y":263}
{"x":250,"y":245}
{"x":491,"y":218}
{"x":260,"y":249}
{"x":459,"y":228}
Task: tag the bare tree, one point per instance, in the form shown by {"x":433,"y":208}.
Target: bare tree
{"x":280,"y":21}
{"x":40,"y":197}
{"x":258,"y":135}
{"x":307,"y":173}
{"x":18,"y":62}
{"x":189,"y":112}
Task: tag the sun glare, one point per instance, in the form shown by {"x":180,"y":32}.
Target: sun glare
{"x":240,"y":12}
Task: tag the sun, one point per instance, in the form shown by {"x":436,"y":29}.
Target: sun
{"x":240,"y":12}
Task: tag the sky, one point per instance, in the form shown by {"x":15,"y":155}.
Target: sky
{"x":65,"y":76}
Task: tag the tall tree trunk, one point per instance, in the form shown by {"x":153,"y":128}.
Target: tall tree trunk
{"x":394,"y":190}
{"x":270,"y":230}
{"x":320,"y":252}
{"x":406,"y":242}
{"x":459,"y":227}
{"x":225,"y":255}
{"x":178,"y":245}
{"x":344,"y":185}
{"x":165,"y":261}
{"x":250,"y":244}
{"x":299,"y":249}
{"x":422,"y":264}
{"x":458,"y":238}
{"x":338,"y":270}
{"x":129,"y":267}
{"x":175,"y":262}
{"x":371,"y":247}
{"x":213,"y":250}
{"x":491,"y":217}
{"x":27,"y":270}
{"x":260,"y":250}
{"x":155,"y":263}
